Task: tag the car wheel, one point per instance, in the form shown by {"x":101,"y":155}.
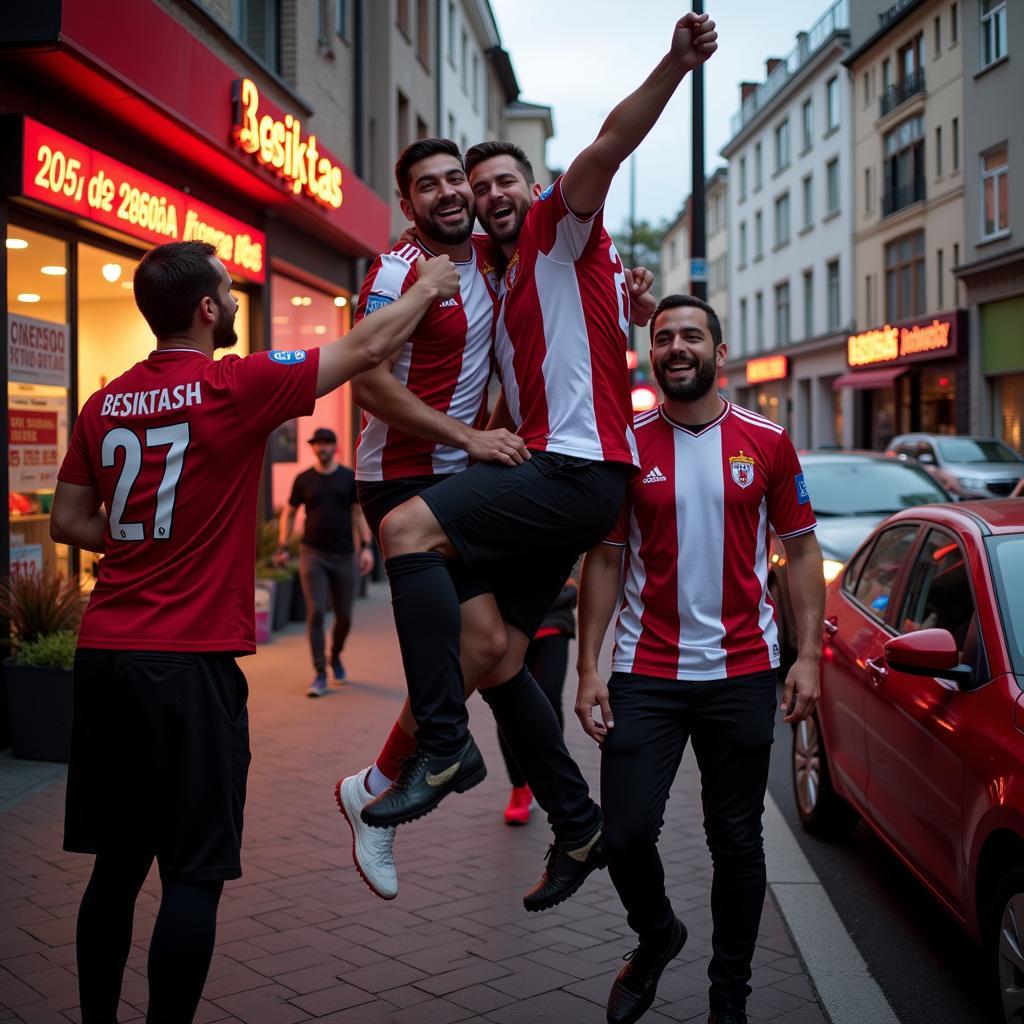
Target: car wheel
{"x":822,"y":811}
{"x":1008,"y":944}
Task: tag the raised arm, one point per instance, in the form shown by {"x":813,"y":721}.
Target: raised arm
{"x":376,"y":337}
{"x":589,"y":176}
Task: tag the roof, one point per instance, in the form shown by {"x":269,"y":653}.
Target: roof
{"x":892,"y":22}
{"x":995,"y":515}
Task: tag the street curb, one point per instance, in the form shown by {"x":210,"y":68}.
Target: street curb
{"x":846,"y":987}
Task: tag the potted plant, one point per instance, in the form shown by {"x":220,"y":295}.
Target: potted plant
{"x":279,"y":578}
{"x":44,"y":611}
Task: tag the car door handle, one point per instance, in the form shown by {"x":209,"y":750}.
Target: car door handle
{"x":830,"y":627}
{"x":877,"y":669}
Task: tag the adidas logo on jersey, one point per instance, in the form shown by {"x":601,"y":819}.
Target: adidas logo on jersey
{"x":655,"y":477}
{"x":448,"y":303}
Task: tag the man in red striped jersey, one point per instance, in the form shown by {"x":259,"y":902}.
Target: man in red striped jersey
{"x":560,"y":343}
{"x":696,"y":651}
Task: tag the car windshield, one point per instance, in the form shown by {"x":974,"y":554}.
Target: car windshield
{"x":969,"y":449}
{"x":1006,"y":554}
{"x":868,"y":487}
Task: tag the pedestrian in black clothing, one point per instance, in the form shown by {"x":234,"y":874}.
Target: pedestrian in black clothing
{"x":335,"y":529}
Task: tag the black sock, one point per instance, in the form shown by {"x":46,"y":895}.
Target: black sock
{"x":429,"y":622}
{"x":104,"y":933}
{"x":530,"y":727}
{"x":181,"y":950}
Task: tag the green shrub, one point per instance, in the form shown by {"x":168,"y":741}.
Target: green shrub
{"x":37,"y":604}
{"x":51,"y":650}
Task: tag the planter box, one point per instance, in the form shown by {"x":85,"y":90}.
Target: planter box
{"x":264,"y":609}
{"x":39,"y":703}
{"x":282,"y":609}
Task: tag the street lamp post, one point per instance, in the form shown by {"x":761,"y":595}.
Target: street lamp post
{"x":698,"y":236}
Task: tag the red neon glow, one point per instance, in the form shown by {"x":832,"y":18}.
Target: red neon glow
{"x":61,"y":172}
{"x":943,"y":382}
{"x":644,"y":398}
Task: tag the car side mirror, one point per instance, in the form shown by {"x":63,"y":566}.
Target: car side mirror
{"x":928,"y":652}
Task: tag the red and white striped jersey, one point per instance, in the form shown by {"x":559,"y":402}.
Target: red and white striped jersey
{"x":695,"y":523}
{"x":446,"y":363}
{"x":561,"y":336}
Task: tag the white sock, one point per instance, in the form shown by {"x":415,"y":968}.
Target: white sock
{"x":377,"y":781}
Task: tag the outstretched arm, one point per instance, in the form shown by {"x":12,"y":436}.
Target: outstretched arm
{"x":376,"y":337}
{"x":589,"y":177}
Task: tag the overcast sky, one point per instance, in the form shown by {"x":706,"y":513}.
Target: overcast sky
{"x":582,"y":56}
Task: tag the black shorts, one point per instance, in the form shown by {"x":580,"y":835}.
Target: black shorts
{"x":159,"y":760}
{"x":378,"y":497}
{"x":528,"y":524}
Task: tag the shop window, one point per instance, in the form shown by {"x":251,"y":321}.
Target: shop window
{"x":305,"y":317}
{"x":936,"y":402}
{"x":995,"y":179}
{"x":904,"y":277}
{"x":1008,"y":393}
{"x":39,"y":354}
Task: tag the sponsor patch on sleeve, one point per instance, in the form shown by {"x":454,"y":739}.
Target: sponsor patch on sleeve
{"x":802,"y":494}
{"x":298,"y":356}
{"x":377,"y":302}
{"x":546,"y":194}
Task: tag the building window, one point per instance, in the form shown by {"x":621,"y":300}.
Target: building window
{"x":743,"y":325}
{"x":808,"y":303}
{"x":953,"y":33}
{"x":904,"y":277}
{"x":759,"y":320}
{"x":807,"y":124}
{"x":808,"y":201}
{"x":404,"y":126}
{"x":423,"y":32}
{"x":832,"y":104}
{"x":938,"y":151}
{"x":782,"y":146}
{"x":402,"y":18}
{"x":465,"y":63}
{"x":758,"y":167}
{"x":832,"y":289}
{"x":911,"y":59}
{"x":867,"y":89}
{"x":995,"y":177}
{"x":341,"y":18}
{"x":743,"y":245}
{"x":904,"y":165}
{"x":743,"y":178}
{"x":956,"y":255}
{"x":939,"y":271}
{"x":886,"y":75}
{"x":758,"y":236}
{"x":782,"y":335}
{"x":938,"y":37}
{"x":782,"y":221}
{"x":832,"y":186}
{"x":451,"y":32}
{"x":476,"y":82}
{"x":869,"y":300}
{"x":422,"y":131}
{"x":867,"y":189}
{"x":259,"y":27}
{"x":451,"y":125}
{"x":956,"y":143}
{"x":993,"y":31}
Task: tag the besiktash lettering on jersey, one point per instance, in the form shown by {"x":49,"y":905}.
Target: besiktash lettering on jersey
{"x":145,"y":403}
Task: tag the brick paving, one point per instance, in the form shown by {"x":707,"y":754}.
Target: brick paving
{"x":301,"y":938}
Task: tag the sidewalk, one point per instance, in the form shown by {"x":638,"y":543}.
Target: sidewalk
{"x":301,"y":938}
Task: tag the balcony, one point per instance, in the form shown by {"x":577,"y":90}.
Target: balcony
{"x":897,"y":94}
{"x":903,"y":195}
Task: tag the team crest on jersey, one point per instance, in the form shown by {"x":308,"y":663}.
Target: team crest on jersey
{"x":298,"y":356}
{"x":742,"y":468}
{"x":512,"y":270}
{"x":491,"y":276}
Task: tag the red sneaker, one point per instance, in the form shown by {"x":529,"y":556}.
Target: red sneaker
{"x":519,"y":804}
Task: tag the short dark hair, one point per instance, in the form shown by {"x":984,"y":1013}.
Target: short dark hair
{"x":486,"y":150}
{"x":418,"y":151}
{"x":674,"y":301}
{"x":170,"y":281}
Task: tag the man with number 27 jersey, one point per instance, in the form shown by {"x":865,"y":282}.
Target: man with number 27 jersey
{"x":171,"y":437}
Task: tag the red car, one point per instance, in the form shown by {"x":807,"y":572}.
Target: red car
{"x":920,"y":727}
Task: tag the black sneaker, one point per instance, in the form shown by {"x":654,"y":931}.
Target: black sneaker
{"x":637,"y":983}
{"x":566,"y":871}
{"x":423,"y":783}
{"x":728,"y":1015}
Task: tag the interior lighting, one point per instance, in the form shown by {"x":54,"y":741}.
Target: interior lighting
{"x":296,"y":300}
{"x":28,"y":297}
{"x":54,"y":271}
{"x":830,"y":569}
{"x":17,"y":243}
{"x":126,"y":285}
{"x":319,"y":329}
{"x":306,"y":300}
{"x":644,"y":398}
{"x":280,"y":320}
{"x":111,"y":272}
{"x":340,"y":301}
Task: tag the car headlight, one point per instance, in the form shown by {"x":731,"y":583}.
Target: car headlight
{"x":971,"y":483}
{"x":830,"y":569}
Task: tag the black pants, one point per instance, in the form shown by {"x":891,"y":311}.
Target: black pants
{"x":547,"y":659}
{"x":731,"y":722}
{"x":324,"y":577}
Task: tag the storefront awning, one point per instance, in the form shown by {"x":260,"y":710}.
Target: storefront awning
{"x":869,"y":378}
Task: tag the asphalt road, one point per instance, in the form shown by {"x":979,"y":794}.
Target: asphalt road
{"x":928,"y":969}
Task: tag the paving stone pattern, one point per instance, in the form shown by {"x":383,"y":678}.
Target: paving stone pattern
{"x":301,"y":938}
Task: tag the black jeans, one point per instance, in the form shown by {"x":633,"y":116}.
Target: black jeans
{"x":731,"y":722}
{"x":327,"y":577}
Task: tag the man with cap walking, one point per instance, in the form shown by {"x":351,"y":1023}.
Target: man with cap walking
{"x":335,"y":529}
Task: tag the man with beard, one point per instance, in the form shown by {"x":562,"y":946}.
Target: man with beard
{"x":422,"y":414}
{"x":173,"y":449}
{"x":560,"y":344}
{"x":696,"y":651}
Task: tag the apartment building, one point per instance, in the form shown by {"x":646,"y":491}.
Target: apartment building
{"x":908,"y":366}
{"x":789,"y":228}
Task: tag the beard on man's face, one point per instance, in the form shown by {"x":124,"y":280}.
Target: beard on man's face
{"x":451,"y":231}
{"x":705,"y":372}
{"x":224,"y":335}
{"x":506,"y":227}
